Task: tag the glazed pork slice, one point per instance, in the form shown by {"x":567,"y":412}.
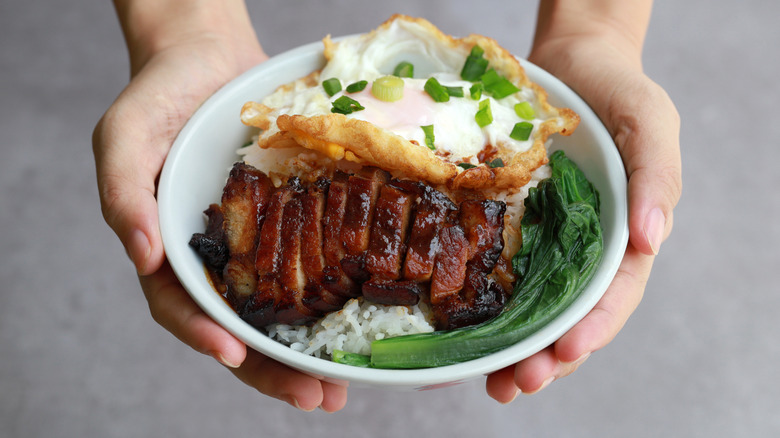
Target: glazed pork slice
{"x":259,"y":309}
{"x":362,"y":193}
{"x":431,"y":213}
{"x":393,"y":292}
{"x":288,"y":305}
{"x":449,"y":271}
{"x":211,"y":245}
{"x":387,"y":248}
{"x":477,"y":297}
{"x":316,"y":296}
{"x":244,"y":201}
{"x":387,"y":244}
{"x":334,"y":278}
{"x":483,"y":221}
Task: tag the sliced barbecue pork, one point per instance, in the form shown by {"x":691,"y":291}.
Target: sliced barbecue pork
{"x":301,"y":250}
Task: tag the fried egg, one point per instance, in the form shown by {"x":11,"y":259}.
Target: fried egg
{"x":462,"y":146}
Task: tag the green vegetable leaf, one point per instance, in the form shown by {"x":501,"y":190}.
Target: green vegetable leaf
{"x":354,"y":359}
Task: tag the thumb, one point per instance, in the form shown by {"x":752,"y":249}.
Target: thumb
{"x":646,"y":128}
{"x":127,"y":195}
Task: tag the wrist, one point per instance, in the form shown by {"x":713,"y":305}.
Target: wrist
{"x":615,"y":27}
{"x":152,"y":26}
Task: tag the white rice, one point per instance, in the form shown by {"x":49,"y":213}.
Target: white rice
{"x":353,"y":328}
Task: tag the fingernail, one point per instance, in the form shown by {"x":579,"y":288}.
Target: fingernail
{"x":517,"y":392}
{"x":138,"y":249}
{"x":292,"y":401}
{"x":545,"y":384}
{"x":580,"y":360}
{"x":224,"y":361}
{"x":654,"y":228}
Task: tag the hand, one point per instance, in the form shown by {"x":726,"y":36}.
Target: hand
{"x":130,"y":144}
{"x":645,"y":126}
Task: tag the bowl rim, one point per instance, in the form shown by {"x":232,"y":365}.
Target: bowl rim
{"x":424,"y":378}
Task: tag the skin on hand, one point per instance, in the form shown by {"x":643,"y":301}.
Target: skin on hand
{"x":603,"y":65}
{"x":175,"y":68}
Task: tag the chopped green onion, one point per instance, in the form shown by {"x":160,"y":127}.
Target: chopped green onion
{"x":429,"y":137}
{"x":484,"y":115}
{"x":249,"y":143}
{"x":466,"y":166}
{"x":404,"y":69}
{"x":346,"y":105}
{"x":522,"y":131}
{"x":356,"y":86}
{"x":436,"y":90}
{"x":331,"y":86}
{"x":498,"y":162}
{"x":455,"y":91}
{"x":476,"y":90}
{"x":524,"y":110}
{"x":497,"y":85}
{"x":388,"y":88}
{"x":475,"y":65}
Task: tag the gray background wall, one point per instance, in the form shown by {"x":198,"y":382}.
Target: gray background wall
{"x":81,"y":357}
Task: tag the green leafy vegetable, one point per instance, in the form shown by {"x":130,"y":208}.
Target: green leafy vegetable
{"x":354,"y":359}
{"x":562,"y":247}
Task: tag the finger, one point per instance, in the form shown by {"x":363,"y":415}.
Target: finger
{"x":127,"y":192}
{"x":646,"y":128}
{"x":334,"y":396}
{"x":500,"y":385}
{"x":610,"y":314}
{"x":172,"y":308}
{"x":283,"y":383}
{"x":536,"y":372}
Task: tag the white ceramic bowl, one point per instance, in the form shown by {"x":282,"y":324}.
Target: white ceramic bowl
{"x":198,"y":164}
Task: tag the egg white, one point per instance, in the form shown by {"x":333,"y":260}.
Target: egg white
{"x":458,"y":138}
